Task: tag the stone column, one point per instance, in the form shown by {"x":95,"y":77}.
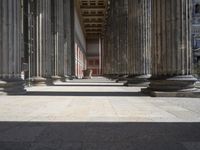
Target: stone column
{"x":40,"y":41}
{"x":108,"y":47}
{"x":115,"y":49}
{"x":11,"y":48}
{"x":113,"y":36}
{"x":171,"y":49}
{"x":107,"y":50}
{"x":58,"y":40}
{"x":122,"y":39}
{"x":69,"y":53}
{"x":139,"y":42}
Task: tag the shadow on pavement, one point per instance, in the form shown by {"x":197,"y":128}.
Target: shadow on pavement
{"x":99,"y":136}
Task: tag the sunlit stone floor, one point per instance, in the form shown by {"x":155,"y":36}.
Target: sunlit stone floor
{"x":84,"y":100}
{"x":97,"y":114}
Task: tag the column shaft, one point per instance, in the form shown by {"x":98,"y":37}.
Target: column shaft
{"x":139,"y":42}
{"x":171,"y":40}
{"x":58,"y":40}
{"x":69,"y":53}
{"x":115,"y":43}
{"x":171,"y":48}
{"x":11,"y":47}
{"x":40,"y":40}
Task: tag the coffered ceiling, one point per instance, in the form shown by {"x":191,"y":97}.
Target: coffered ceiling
{"x":93,"y":13}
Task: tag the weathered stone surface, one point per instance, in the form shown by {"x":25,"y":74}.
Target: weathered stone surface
{"x":40,"y":39}
{"x":197,"y":85}
{"x":192,"y":94}
{"x":139,"y":42}
{"x":122,"y":79}
{"x":11,"y":48}
{"x":179,"y":86}
{"x":171,"y":38}
{"x":58,"y":39}
{"x":54,"y":79}
{"x":38,"y":81}
{"x":171,"y":49}
{"x":140,"y":81}
{"x":12,"y":87}
{"x":48,"y":46}
{"x":176,"y":83}
{"x":66,"y":78}
{"x":115,"y":51}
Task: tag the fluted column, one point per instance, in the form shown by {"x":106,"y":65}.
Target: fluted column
{"x":107,"y":50}
{"x":139,"y":42}
{"x":40,"y":41}
{"x":61,"y":18}
{"x":171,"y":48}
{"x":113,"y":34}
{"x":69,"y":60}
{"x":122,"y":39}
{"x":115,"y":49}
{"x":11,"y":47}
{"x":108,"y":67}
{"x":58,"y":40}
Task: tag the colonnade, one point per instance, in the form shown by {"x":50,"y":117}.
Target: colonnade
{"x":47,"y":56}
{"x":146,"y":42}
{"x":159,"y":47}
{"x":34,"y":39}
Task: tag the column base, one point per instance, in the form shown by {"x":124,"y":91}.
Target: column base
{"x":113,"y":76}
{"x":122,"y":79}
{"x":12,"y":87}
{"x":179,"y":86}
{"x":197,"y":85}
{"x":66,"y":78}
{"x":38,"y":81}
{"x":192,"y":94}
{"x":86,"y":77}
{"x":53,"y":79}
{"x":138,"y":81}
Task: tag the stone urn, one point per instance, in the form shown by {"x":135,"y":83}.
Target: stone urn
{"x":87,"y":74}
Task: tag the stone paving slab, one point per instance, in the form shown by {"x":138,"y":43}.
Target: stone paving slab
{"x":96,"y":103}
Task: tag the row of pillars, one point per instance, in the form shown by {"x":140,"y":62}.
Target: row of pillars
{"x":158,"y":53}
{"x":35,"y":37}
{"x":46,"y":38}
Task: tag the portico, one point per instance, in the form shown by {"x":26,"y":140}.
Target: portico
{"x":142,"y":43}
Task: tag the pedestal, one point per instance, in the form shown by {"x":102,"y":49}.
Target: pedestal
{"x":51,"y":81}
{"x":122,"y":79}
{"x":138,"y":81}
{"x":12,"y":87}
{"x":178,"y":86}
{"x":38,"y":81}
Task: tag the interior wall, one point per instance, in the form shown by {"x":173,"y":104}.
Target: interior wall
{"x":93,"y":56}
{"x":93,"y":47}
{"x":80,"y":47}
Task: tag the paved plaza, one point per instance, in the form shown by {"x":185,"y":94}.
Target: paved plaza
{"x":97,"y":114}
